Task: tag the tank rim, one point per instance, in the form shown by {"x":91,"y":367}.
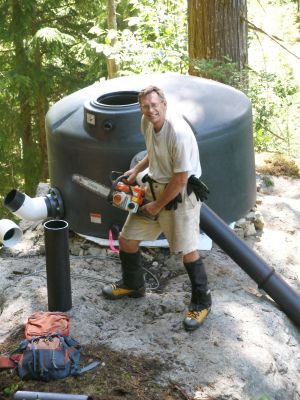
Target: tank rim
{"x":116,"y":99}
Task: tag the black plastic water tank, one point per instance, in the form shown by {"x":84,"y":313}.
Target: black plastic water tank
{"x":97,"y":130}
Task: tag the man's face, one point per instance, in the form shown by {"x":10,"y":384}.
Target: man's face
{"x":154,"y":109}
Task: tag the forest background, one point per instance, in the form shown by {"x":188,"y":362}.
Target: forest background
{"x":49,"y":49}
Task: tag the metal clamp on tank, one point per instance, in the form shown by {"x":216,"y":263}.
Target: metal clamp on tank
{"x":56,"y":205}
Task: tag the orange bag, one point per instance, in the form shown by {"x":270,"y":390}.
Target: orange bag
{"x":47,"y":323}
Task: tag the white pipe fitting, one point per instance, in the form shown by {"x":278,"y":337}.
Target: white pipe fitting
{"x":10,"y":233}
{"x":34,"y":209}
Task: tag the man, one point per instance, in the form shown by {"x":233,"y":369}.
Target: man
{"x":173,"y":161}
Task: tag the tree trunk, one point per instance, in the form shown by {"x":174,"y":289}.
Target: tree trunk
{"x":40,"y":104}
{"x":112,"y":67}
{"x":41,"y":112}
{"x":217,"y":31}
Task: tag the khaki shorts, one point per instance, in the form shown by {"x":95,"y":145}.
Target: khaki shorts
{"x":180,"y":227}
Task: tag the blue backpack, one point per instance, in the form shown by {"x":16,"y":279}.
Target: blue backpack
{"x":50,"y":357}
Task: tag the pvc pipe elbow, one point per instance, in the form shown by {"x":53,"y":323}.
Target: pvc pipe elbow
{"x":10,"y":233}
{"x":34,"y":209}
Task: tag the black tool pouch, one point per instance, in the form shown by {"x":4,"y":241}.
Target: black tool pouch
{"x":198,"y":187}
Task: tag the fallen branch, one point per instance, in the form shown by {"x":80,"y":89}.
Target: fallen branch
{"x":181,"y":391}
{"x":272,"y":37}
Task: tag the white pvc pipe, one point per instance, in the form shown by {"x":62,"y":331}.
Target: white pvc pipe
{"x":32,"y":209}
{"x":10,"y":233}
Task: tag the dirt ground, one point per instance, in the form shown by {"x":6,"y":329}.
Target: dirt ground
{"x":246,"y":349}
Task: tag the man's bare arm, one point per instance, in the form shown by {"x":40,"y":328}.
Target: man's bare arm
{"x":139,"y":167}
{"x":173,"y":188}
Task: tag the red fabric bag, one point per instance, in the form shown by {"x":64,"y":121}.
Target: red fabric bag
{"x":47,"y":323}
{"x":9,"y":362}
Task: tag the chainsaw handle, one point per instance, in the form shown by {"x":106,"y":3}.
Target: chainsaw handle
{"x":114,"y":175}
{"x":119,"y":179}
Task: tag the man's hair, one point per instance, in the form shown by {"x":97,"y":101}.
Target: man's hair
{"x":150,"y":89}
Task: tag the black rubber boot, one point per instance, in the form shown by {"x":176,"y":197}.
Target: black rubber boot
{"x":200,"y":304}
{"x":132,"y":283}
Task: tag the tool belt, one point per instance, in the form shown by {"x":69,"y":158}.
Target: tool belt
{"x":148,"y":179}
{"x":193,"y":185}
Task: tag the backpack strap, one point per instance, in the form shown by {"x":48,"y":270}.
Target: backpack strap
{"x":88,"y":367}
{"x":68,"y":341}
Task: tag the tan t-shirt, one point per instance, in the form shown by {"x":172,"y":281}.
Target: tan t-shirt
{"x":173,"y":149}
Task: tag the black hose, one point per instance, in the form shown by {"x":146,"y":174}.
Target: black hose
{"x":251,"y":263}
{"x":58,"y":265}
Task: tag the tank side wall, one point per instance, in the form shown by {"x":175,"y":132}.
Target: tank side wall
{"x":229,"y":170}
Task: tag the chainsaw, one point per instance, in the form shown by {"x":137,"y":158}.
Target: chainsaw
{"x":126,"y":197}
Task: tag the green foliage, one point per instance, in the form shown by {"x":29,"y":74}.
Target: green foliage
{"x":222,"y":71}
{"x":276,"y":119}
{"x":268,"y":181}
{"x":44,"y":56}
{"x":262,"y":397}
{"x":274,"y":100}
{"x":47,"y":36}
{"x":155,"y":38}
{"x":10,"y":390}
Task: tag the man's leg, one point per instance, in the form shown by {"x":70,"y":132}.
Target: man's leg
{"x":132,"y":283}
{"x":200,"y":303}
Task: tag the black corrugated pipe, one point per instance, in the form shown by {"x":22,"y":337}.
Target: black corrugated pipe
{"x":58,"y":265}
{"x":251,"y":263}
{"x":21,"y":395}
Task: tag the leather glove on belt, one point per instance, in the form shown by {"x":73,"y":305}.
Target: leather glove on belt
{"x":198,"y":187}
{"x":173,"y":204}
{"x":194,"y":185}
